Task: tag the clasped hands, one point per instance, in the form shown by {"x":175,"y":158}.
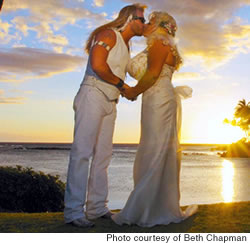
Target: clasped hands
{"x":128,"y":92}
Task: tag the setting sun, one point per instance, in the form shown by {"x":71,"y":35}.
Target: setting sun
{"x":226,"y":134}
{"x":208,"y":127}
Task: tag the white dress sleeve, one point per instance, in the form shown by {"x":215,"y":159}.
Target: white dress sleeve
{"x":137,"y":65}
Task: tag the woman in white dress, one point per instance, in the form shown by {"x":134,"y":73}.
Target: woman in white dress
{"x":156,"y":195}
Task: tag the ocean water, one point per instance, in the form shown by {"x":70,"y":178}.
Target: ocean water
{"x":205,"y":177}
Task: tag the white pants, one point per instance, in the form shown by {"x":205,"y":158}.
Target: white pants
{"x":94,"y":126}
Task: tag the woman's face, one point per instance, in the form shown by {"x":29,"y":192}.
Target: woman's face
{"x":150,"y":27}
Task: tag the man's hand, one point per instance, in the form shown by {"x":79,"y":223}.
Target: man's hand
{"x":129,"y":93}
{"x":123,"y":89}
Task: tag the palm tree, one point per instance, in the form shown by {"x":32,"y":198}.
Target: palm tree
{"x":242,"y":116}
{"x":1,"y":4}
{"x":241,"y":119}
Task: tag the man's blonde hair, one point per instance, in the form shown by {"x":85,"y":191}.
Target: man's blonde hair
{"x":117,"y":23}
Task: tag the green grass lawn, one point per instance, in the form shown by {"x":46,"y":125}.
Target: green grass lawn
{"x":218,"y":218}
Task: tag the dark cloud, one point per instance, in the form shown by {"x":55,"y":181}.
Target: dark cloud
{"x":25,"y":61}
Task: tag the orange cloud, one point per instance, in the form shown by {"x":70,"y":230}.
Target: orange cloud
{"x":8,"y":78}
{"x":203,"y":28}
{"x":5,"y":37}
{"x":10,"y":100}
{"x":51,"y":9}
{"x":188,"y":76}
{"x":238,"y":36}
{"x":98,"y":3}
{"x":49,"y":15}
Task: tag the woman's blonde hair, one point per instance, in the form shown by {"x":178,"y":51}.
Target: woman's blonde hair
{"x":117,"y":23}
{"x":166,"y":32}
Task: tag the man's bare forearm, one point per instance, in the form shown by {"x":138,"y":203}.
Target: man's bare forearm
{"x":105,"y":73}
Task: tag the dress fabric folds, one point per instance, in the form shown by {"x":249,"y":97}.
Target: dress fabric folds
{"x":156,"y":194}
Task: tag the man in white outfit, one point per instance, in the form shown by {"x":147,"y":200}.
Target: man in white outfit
{"x":95,"y":114}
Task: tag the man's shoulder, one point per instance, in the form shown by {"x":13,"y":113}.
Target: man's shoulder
{"x":107,"y":35}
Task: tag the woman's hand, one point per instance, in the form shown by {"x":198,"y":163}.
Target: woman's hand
{"x":129,"y":93}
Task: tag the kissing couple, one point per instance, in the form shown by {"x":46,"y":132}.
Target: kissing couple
{"x":156,"y":194}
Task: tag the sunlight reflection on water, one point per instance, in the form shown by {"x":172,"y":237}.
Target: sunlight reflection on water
{"x":227,"y":171}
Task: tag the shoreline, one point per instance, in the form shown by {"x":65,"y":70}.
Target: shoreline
{"x":117,"y":208}
{"x":217,"y":218}
{"x":2,"y":210}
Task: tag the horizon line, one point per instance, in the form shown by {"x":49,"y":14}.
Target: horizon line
{"x":205,"y":144}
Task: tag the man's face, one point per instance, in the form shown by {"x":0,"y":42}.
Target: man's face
{"x":137,"y":25}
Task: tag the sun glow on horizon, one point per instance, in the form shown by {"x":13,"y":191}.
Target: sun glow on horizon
{"x":214,"y":134}
{"x":225,"y":134}
{"x":208,"y":127}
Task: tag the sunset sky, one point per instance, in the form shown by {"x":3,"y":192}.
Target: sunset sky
{"x":42,"y":64}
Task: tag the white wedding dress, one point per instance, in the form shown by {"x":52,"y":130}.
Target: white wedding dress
{"x":156,"y":194}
